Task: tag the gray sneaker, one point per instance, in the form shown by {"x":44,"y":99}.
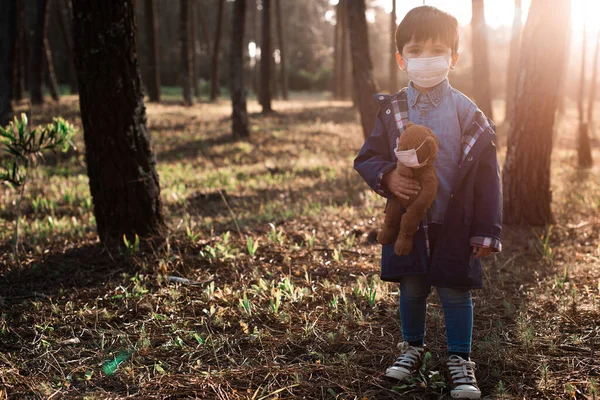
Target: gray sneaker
{"x":407,"y":363}
{"x":462,"y":378}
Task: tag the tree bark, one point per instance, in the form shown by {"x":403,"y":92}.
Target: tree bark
{"x":513,"y":60}
{"x":239,"y":116}
{"x":186,"y":58}
{"x":153,"y":81}
{"x":8,"y":34}
{"x":393,"y":63}
{"x":481,"y":65}
{"x":193,"y":42}
{"x":283,"y":80}
{"x":584,"y":151}
{"x":64,"y":12}
{"x":362,"y":68}
{"x":18,"y":84}
{"x":336,"y":55}
{"x":49,"y":64}
{"x":36,"y":11}
{"x":593,"y":85}
{"x":265,"y":59}
{"x":120,"y":163}
{"x":345,"y":62}
{"x":214,"y":80}
{"x":254,"y":33}
{"x":526,"y":178}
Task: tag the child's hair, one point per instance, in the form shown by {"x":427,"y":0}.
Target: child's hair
{"x":427,"y":22}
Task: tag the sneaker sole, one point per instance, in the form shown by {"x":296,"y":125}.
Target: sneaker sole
{"x":466,"y":395}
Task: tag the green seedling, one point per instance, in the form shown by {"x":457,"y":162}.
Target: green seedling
{"x":251,"y":246}
{"x":131,"y":247}
{"x":25,"y":148}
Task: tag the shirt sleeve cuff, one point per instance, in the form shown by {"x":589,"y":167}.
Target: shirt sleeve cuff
{"x":483,"y":241}
{"x":379,"y":188}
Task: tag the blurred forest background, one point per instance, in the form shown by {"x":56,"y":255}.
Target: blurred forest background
{"x":202,"y":233}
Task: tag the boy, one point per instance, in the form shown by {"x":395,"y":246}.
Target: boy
{"x":464,"y":221}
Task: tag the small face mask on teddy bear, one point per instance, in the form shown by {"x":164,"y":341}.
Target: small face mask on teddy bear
{"x":409,"y":157}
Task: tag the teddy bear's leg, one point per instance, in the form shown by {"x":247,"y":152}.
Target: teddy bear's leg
{"x":391,"y":224}
{"x":408,"y":228}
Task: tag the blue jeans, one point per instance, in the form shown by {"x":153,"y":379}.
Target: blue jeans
{"x":458,"y":313}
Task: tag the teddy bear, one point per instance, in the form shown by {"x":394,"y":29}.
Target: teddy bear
{"x":402,"y":216}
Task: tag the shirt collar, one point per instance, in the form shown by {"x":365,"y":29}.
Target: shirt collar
{"x":435,"y":95}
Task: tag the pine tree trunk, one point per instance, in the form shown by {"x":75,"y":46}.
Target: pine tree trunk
{"x":64,"y":13}
{"x":584,"y":151}
{"x":265,"y":58}
{"x":526,"y":178}
{"x":186,"y":57}
{"x":344,"y":75}
{"x":513,"y":61}
{"x":593,"y":85}
{"x":239,"y":117}
{"x":193,"y":42}
{"x":153,"y":81}
{"x":283,"y":80}
{"x":8,"y":33}
{"x":393,"y":63}
{"x":36,"y":11}
{"x":362,"y":68}
{"x":336,"y":55}
{"x":481,"y":65}
{"x":49,"y":63}
{"x":255,"y":66}
{"x":120,"y":163}
{"x":18,"y":84}
{"x":214,"y":80}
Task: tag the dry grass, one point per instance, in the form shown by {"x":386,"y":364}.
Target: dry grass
{"x":302,"y":316}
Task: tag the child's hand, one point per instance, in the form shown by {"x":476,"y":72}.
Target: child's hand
{"x":479,"y":252}
{"x":401,"y":186}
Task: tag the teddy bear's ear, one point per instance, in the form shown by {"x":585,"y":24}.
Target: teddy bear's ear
{"x":408,"y":125}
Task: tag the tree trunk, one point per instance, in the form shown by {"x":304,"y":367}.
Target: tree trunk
{"x":584,"y":152}
{"x":362,"y":68}
{"x":49,"y":64}
{"x":36,"y":11}
{"x":186,"y":57}
{"x":526,"y":178}
{"x":214,"y":80}
{"x":336,"y":55}
{"x":193,"y":42}
{"x":343,"y":12}
{"x":255,"y":62}
{"x":592,"y":98}
{"x":393,"y":64}
{"x":120,"y":163}
{"x":481,"y":65}
{"x":153,"y":81}
{"x":513,"y":61}
{"x":63,"y":9}
{"x":239,"y":116}
{"x":18,"y":84}
{"x":265,"y":58}
{"x":283,"y":81}
{"x":8,"y":33}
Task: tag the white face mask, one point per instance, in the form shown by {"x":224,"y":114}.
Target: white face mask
{"x":427,"y":72}
{"x":409,"y":157}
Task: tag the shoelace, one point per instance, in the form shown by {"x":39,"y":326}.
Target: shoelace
{"x":409,"y":356}
{"x":461,"y":370}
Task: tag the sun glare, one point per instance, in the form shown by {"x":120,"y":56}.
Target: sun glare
{"x":500,"y":12}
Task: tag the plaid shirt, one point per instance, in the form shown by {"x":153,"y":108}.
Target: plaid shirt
{"x":469,"y":137}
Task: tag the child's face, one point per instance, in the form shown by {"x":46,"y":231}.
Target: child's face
{"x":424,"y":49}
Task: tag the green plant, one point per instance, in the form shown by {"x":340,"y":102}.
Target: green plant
{"x":24,"y":147}
{"x":131,"y":247}
{"x":543,"y":245}
{"x":252,"y":246}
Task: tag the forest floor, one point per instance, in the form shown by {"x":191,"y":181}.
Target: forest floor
{"x":280,"y":296}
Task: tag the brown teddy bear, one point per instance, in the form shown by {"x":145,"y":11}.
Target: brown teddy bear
{"x":416,"y":143}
